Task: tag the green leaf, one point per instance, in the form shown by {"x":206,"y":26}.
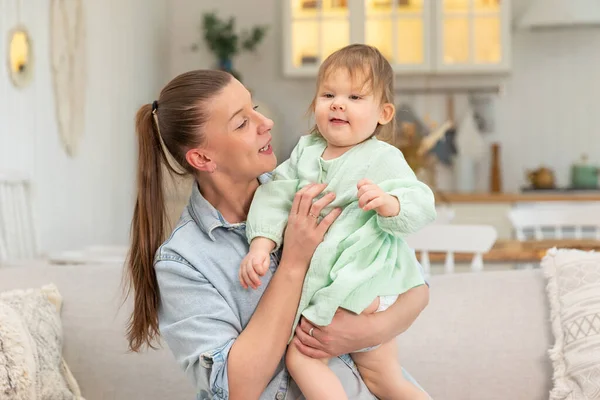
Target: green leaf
{"x":222,"y":39}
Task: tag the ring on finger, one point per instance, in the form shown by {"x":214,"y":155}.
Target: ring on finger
{"x":310,"y":332}
{"x":313,"y":215}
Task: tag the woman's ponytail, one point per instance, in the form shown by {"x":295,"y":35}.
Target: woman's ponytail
{"x":166,"y":130}
{"x":147,"y":232}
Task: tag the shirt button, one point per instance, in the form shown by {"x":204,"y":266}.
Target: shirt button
{"x":280,"y":396}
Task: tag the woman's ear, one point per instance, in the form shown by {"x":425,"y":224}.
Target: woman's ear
{"x":387,"y":113}
{"x":200,"y":160}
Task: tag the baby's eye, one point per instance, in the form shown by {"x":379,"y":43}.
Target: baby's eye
{"x":354,"y":97}
{"x":328,"y":96}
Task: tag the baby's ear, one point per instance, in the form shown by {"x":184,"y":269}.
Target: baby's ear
{"x":387,"y":113}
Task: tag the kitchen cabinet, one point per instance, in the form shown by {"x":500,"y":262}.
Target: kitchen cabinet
{"x":425,"y":37}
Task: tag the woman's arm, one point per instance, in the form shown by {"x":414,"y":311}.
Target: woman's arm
{"x":349,"y":332}
{"x":259,"y":348}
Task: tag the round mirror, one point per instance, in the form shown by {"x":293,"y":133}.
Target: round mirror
{"x":20,"y":57}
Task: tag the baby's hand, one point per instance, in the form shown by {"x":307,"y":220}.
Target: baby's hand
{"x":371,"y":197}
{"x":255,"y":264}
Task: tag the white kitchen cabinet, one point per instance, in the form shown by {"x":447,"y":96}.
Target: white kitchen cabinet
{"x":416,"y":36}
{"x":472,"y":35}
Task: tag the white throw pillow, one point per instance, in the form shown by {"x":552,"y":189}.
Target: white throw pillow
{"x":31,"y":363}
{"x":574,"y":294}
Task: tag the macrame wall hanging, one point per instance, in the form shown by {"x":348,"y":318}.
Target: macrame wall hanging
{"x":68,"y":69}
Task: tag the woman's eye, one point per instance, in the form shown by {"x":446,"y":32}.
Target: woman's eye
{"x":243,"y":124}
{"x":255,"y":108}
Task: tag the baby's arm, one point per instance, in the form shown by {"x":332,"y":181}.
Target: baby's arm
{"x":392,"y":174}
{"x":272,"y":201}
{"x":256,"y":263}
{"x":267,"y":217}
{"x":372,"y":197}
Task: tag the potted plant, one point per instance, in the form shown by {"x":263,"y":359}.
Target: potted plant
{"x":223,"y":41}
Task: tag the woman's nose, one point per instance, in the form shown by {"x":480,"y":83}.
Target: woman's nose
{"x":265,"y":125}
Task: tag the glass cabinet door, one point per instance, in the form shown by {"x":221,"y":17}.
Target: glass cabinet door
{"x":318,"y":28}
{"x":470,"y":33}
{"x":416,"y":36}
{"x":399,"y":29}
{"x":487,"y":32}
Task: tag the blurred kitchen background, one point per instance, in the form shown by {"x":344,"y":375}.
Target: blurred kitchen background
{"x":496,"y":100}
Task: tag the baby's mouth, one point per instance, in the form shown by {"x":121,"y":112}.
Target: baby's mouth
{"x":338,"y":121}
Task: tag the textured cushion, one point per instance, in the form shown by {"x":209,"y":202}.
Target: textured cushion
{"x":17,"y":362}
{"x":31,"y":362}
{"x":574,"y":294}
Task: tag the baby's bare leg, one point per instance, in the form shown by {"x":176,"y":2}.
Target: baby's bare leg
{"x":381,"y":371}
{"x":313,"y":376}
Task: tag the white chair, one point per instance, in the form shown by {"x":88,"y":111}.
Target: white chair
{"x":562,"y":221}
{"x":445,"y":214}
{"x":17,"y":233}
{"x":3,"y":251}
{"x":451,"y":239}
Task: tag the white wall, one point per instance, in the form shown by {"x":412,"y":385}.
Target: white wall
{"x":549,"y":114}
{"x":261,"y":71}
{"x":87,"y":199}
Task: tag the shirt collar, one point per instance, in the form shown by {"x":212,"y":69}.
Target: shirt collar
{"x":207,"y":216}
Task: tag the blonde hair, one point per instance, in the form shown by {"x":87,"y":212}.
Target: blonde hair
{"x":377,"y":71}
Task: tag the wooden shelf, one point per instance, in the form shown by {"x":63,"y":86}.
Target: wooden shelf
{"x":444,"y":197}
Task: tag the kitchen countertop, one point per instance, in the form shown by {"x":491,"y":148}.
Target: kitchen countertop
{"x":541,"y":196}
{"x":514,"y":251}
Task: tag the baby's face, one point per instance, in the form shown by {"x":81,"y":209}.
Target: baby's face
{"x":346,"y":110}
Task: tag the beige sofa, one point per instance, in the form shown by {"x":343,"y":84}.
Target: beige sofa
{"x":483,"y":337}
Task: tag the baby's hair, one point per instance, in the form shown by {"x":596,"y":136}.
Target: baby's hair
{"x":370,"y":63}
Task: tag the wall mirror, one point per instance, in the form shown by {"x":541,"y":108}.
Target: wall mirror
{"x":20,"y":57}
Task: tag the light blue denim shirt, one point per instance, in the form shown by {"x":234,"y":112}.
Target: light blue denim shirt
{"x":203,"y":307}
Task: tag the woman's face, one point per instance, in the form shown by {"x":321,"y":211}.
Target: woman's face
{"x":238,"y":137}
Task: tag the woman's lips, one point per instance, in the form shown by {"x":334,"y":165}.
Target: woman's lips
{"x":266,"y":150}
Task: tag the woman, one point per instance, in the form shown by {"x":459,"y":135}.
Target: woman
{"x":231,"y":341}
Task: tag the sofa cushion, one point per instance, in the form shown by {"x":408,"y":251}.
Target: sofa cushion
{"x":574,"y":293}
{"x":94,"y":318}
{"x":483,"y":336}
{"x":17,"y":362}
{"x":31,"y":342}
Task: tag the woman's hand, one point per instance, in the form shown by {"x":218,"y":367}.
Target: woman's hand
{"x":347,"y":333}
{"x":304,"y":231}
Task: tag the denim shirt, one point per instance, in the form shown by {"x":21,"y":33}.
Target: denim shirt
{"x":203,"y":307}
